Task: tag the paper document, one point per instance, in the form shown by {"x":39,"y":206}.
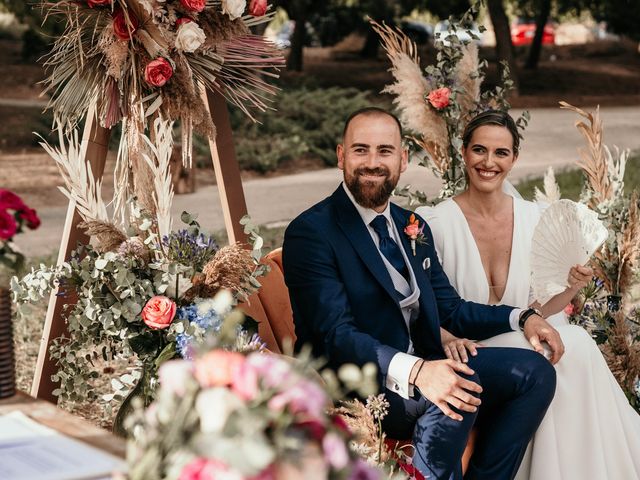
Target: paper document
{"x":30,"y":451}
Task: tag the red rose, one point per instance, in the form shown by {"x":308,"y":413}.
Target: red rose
{"x":182,"y":20}
{"x":30,"y":216}
{"x":122,"y":29}
{"x":194,"y":5}
{"x":8,"y":225}
{"x":158,"y":313}
{"x":158,"y":72}
{"x":98,"y":3}
{"x":257,"y":8}
{"x":11,"y":201}
{"x":439,"y":98}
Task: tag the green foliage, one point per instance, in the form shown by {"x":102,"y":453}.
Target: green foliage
{"x":306,"y":122}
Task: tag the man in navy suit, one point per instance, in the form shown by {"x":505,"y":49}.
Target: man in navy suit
{"x":360,"y":293}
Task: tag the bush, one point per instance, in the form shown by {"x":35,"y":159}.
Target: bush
{"x":306,"y":122}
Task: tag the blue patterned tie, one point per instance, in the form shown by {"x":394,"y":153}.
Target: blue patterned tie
{"x":388,"y":246}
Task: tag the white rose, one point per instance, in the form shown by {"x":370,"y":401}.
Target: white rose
{"x":190,"y":37}
{"x":233,"y":8}
{"x":214,"y":406}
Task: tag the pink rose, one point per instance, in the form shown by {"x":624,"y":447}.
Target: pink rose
{"x":11,"y":201}
{"x":206,"y":469}
{"x":218,"y":368}
{"x":98,"y":3}
{"x":121,"y":28}
{"x":158,"y":313}
{"x":158,"y":72}
{"x":412,"y":230}
{"x":257,"y":8}
{"x":335,"y":450}
{"x":8,"y":225}
{"x":194,"y":5}
{"x":245,"y":382}
{"x":570,"y":309}
{"x":304,"y":397}
{"x":439,"y":98}
{"x":29,"y":215}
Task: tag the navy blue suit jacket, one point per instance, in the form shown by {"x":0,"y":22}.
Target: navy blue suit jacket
{"x":344,"y":303}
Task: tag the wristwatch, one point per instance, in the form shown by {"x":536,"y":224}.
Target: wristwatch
{"x":524,"y":316}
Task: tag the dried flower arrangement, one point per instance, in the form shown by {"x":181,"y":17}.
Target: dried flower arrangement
{"x":435,"y":107}
{"x":145,"y":292}
{"x":137,"y":60}
{"x":604,"y":308}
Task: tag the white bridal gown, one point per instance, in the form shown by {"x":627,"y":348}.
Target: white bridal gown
{"x":590,"y":431}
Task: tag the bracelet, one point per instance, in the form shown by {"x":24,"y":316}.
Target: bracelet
{"x":418,"y":372}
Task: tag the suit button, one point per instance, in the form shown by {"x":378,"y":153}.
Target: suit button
{"x":396,"y":387}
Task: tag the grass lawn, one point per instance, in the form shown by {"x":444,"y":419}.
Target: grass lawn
{"x":570,"y":180}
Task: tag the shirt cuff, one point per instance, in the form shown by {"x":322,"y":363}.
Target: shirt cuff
{"x":514,"y":318}
{"x":398,"y":374}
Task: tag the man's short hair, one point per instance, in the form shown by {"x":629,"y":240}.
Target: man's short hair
{"x":370,"y":111}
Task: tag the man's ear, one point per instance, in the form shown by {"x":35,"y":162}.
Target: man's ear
{"x":404,"y":159}
{"x":340,"y":155}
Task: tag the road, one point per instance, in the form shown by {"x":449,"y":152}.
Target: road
{"x":551,"y":139}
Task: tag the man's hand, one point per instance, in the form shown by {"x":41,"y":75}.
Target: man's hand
{"x":456,"y":349}
{"x":440,"y":384}
{"x":538,"y":330}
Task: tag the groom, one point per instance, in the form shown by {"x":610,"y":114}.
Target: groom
{"x":360,"y":293}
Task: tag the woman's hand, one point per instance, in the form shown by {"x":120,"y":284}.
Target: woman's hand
{"x":579,"y":277}
{"x":456,"y":348}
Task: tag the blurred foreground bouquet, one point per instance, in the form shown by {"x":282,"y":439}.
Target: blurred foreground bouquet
{"x":244,"y":416}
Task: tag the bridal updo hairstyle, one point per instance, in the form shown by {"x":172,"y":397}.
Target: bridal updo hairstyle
{"x":492,"y":117}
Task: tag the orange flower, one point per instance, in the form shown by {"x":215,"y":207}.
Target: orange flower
{"x":413,"y":228}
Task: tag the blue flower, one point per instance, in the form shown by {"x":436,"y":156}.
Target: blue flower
{"x":187,"y":248}
{"x":204,"y":316}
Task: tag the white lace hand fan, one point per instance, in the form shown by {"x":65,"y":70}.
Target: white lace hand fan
{"x":567,"y":234}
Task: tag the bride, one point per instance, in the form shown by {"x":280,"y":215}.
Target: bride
{"x":483,"y":238}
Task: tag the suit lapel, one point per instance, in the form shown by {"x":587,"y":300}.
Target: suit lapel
{"x":351,"y":223}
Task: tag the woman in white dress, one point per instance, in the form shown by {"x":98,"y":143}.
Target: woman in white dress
{"x":483,"y":238}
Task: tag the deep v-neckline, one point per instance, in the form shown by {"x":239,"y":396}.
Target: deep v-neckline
{"x":507,"y":284}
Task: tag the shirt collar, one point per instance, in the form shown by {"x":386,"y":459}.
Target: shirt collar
{"x":368,"y":214}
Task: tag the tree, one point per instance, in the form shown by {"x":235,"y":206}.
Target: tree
{"x":504,"y":45}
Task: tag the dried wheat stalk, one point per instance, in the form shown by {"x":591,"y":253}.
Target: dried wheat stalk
{"x":551,"y":190}
{"x":629,"y":247}
{"x":622,"y":353}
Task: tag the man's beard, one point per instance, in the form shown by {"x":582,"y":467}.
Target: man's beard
{"x":371,"y":194}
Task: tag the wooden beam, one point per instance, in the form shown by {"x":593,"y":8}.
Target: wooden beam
{"x":94,"y":148}
{"x":227,"y":170}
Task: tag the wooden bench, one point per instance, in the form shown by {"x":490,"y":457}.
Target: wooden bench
{"x":271,"y":308}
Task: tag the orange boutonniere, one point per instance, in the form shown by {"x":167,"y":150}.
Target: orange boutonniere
{"x":414,"y":231}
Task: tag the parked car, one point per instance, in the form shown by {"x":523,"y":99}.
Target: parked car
{"x":441,"y":31}
{"x":523,"y":31}
{"x":421,"y":33}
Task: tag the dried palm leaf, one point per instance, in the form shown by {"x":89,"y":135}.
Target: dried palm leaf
{"x":161,"y":147}
{"x":622,"y":353}
{"x":81,"y":187}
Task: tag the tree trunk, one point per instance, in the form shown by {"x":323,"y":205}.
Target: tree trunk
{"x":504,"y":46}
{"x":536,"y":45}
{"x":296,"y":54}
